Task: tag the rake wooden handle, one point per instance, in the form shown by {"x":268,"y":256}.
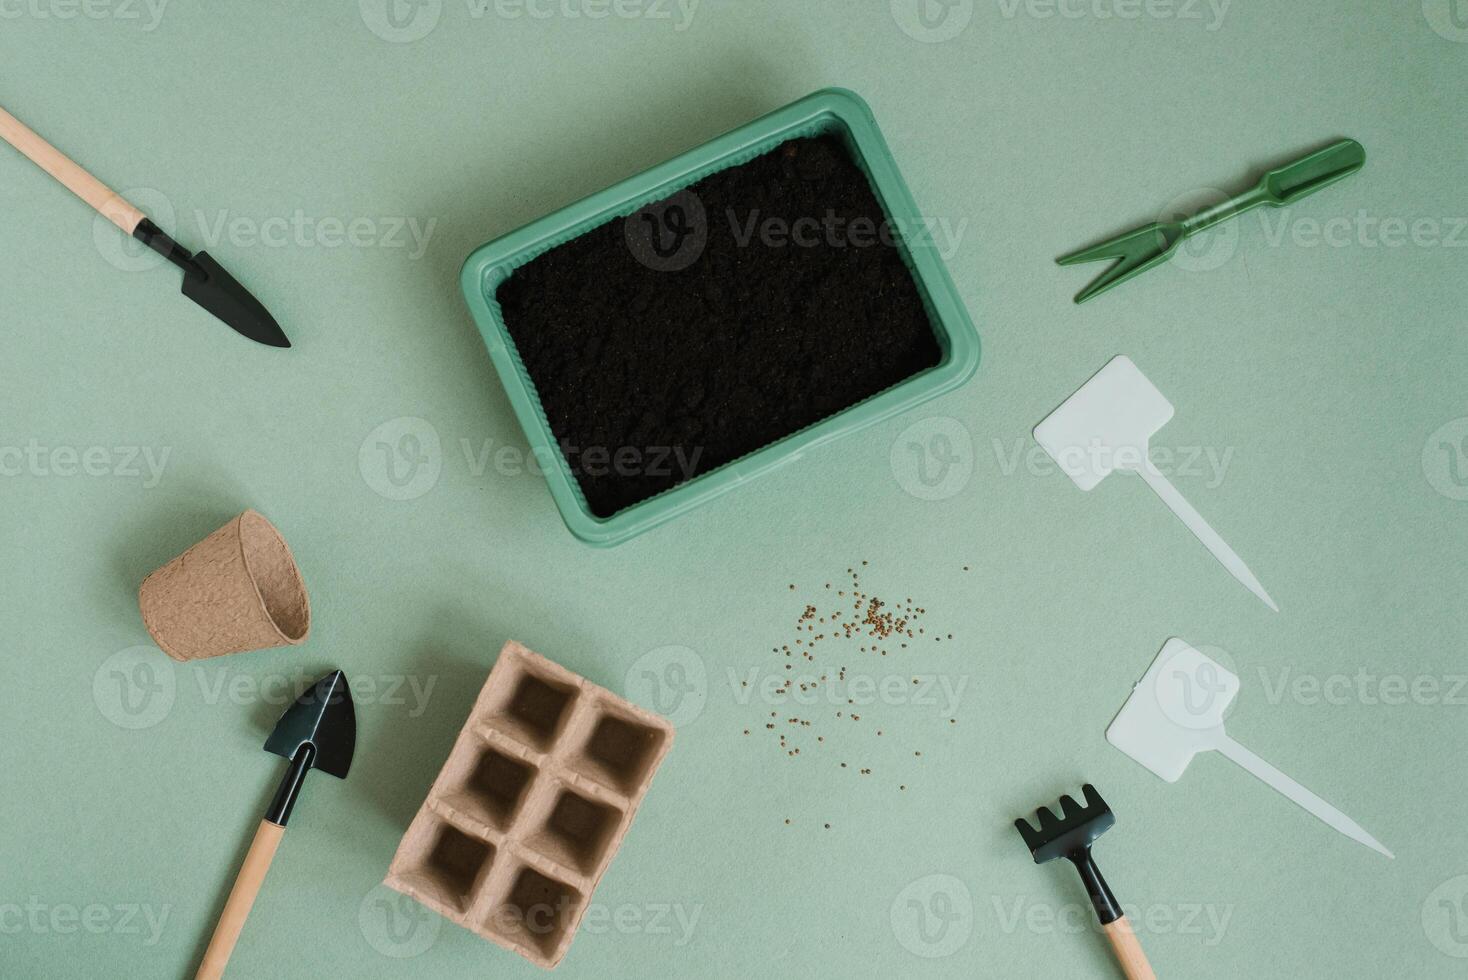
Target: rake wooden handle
{"x":107,"y":202}
{"x":241,"y":899}
{"x":1128,"y":951}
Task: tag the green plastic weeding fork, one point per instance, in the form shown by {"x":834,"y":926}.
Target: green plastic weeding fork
{"x":1149,"y":246}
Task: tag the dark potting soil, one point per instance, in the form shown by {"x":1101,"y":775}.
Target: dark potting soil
{"x":765,"y":298}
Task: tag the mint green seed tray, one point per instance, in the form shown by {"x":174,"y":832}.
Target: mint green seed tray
{"x":829,"y":112}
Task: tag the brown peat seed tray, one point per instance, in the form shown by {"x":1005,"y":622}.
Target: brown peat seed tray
{"x":533,"y":802}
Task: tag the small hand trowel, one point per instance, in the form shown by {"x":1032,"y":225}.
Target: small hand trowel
{"x":1071,"y":837}
{"x":204,"y":281}
{"x":1106,"y":426}
{"x":1177,"y":710}
{"x":1149,"y":246}
{"x":318,"y":731}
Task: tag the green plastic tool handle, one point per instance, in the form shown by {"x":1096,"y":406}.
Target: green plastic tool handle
{"x":1288,"y":184}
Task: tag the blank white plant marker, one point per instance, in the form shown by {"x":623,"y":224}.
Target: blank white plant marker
{"x":1105,"y":427}
{"x":1177,"y":710}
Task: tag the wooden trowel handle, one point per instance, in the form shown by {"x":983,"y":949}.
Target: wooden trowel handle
{"x":1128,"y":951}
{"x":241,"y":898}
{"x":101,"y":197}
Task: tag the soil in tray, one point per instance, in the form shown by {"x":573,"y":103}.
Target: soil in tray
{"x":764,"y":299}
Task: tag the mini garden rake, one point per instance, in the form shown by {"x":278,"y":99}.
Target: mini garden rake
{"x":1070,"y":836}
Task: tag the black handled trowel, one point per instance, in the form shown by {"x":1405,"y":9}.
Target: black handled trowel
{"x":318,"y":731}
{"x":204,"y":281}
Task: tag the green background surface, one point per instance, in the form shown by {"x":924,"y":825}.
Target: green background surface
{"x":1328,"y":373}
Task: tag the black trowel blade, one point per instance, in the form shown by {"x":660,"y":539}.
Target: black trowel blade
{"x":207,"y":284}
{"x":323,"y":718}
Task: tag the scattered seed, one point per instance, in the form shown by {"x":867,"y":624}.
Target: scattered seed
{"x":873,"y":624}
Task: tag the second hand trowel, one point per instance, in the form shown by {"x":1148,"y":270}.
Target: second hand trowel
{"x":318,"y":731}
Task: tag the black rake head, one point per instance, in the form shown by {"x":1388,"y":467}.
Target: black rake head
{"x":1070,"y":834}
